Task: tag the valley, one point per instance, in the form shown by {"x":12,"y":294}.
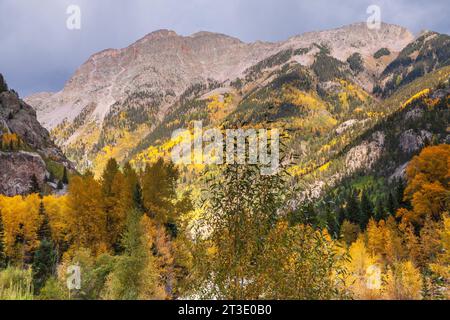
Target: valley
{"x":363,"y":115}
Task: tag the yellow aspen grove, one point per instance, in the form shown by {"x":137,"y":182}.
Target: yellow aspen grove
{"x":21,"y":222}
{"x":86,"y":220}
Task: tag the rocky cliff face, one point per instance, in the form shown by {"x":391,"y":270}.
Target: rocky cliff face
{"x":135,"y":88}
{"x":17,"y":169}
{"x":26,"y":149}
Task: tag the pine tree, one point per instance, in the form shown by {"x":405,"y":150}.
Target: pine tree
{"x":400,"y":189}
{"x":44,"y":232}
{"x":391,"y":207}
{"x":135,"y":273}
{"x":380,"y":213}
{"x":34,"y":185}
{"x":365,"y":211}
{"x":332,"y":222}
{"x":341,"y":215}
{"x":137,"y":197}
{"x":352,"y":208}
{"x":159,"y":190}
{"x":65,"y":178}
{"x":44,"y":260}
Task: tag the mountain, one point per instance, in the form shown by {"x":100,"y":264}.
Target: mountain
{"x":425,"y":54}
{"x":122,"y":101}
{"x":383,"y":150}
{"x":26,"y":149}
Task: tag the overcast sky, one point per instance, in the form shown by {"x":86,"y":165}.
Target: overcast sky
{"x":38,"y":52}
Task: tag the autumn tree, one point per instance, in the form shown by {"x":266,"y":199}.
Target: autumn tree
{"x":357,"y":266}
{"x":440,"y":268}
{"x":21,"y":222}
{"x":135,"y":275}
{"x":299,"y":262}
{"x":428,"y":184}
{"x":117,"y":201}
{"x":403,"y":282}
{"x":241,"y":209}
{"x":87,"y":221}
{"x":349,"y":232}
{"x":111,"y":169}
{"x":375,"y":237}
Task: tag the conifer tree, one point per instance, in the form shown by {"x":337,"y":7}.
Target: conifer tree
{"x":399,"y":190}
{"x":158,"y":190}
{"x":65,"y":178}
{"x":111,"y":169}
{"x":379,"y":211}
{"x":352,"y":208}
{"x":391,"y":207}
{"x":44,"y":260}
{"x":44,"y":231}
{"x":137,"y":197}
{"x":34,"y":185}
{"x":135,"y":274}
{"x":365,"y":210}
{"x":51,"y":177}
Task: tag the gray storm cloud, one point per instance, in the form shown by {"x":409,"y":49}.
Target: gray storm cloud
{"x":38,"y":52}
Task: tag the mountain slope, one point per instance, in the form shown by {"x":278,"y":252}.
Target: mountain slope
{"x":425,"y":54}
{"x":118,"y":97}
{"x":384,"y":147}
{"x":26,"y":148}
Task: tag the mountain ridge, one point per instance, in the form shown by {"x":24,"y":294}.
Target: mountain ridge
{"x":119,"y":96}
{"x":267,"y":49}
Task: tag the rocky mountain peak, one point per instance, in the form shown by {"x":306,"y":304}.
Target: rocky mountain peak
{"x":161,"y":33}
{"x":153,"y":73}
{"x":164,"y":60}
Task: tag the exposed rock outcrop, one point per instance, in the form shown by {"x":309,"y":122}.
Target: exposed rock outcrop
{"x":25,"y":146}
{"x":17,"y":170}
{"x":411,"y":141}
{"x":366,"y":154}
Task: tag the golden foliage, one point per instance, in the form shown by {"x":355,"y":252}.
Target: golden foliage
{"x":415,"y":97}
{"x":428,"y":186}
{"x":21,"y":222}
